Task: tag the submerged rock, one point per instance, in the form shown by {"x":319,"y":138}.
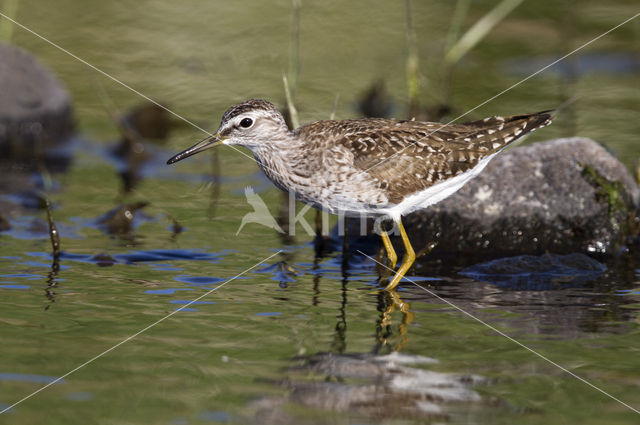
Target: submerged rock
{"x":36,"y":118}
{"x":120,"y":220}
{"x":149,"y":121}
{"x":4,"y":224}
{"x":375,"y":102}
{"x":371,"y":386}
{"x":561,"y":196}
{"x":103,"y":260}
{"x":533,"y":272}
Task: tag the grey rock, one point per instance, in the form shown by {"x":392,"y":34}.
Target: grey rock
{"x":36,"y":117}
{"x":562,"y":196}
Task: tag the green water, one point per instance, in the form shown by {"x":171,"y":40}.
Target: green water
{"x":214,"y":360}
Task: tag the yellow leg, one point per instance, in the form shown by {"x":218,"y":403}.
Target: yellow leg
{"x":391,"y":253}
{"x":407,"y":318}
{"x":407,"y":261}
{"x":404,"y":307}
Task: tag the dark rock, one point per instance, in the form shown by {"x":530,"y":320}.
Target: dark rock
{"x":103,"y":260}
{"x":36,"y":118}
{"x":4,"y":224}
{"x":537,"y":273}
{"x":140,"y":125}
{"x":120,"y":220}
{"x":561,"y":196}
{"x":376,"y":102}
{"x":149,"y":121}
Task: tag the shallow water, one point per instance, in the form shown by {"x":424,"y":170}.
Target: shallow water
{"x":244,"y":353}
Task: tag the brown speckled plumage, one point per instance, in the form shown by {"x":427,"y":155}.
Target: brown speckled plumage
{"x":404,"y":157}
{"x":371,"y":166}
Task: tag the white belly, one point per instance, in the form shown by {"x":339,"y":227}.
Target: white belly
{"x":436,"y":193}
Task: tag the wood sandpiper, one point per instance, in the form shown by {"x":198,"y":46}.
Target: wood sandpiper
{"x":372,"y":166}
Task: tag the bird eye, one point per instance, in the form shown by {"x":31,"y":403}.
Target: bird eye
{"x":246,"y":123}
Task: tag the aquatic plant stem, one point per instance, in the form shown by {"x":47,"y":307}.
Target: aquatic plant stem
{"x":479,"y":30}
{"x":53,"y":231}
{"x":336,"y":99}
{"x":294,"y":46}
{"x":459,"y":15}
{"x":413,"y":64}
{"x":293,"y":112}
{"x":7,"y":27}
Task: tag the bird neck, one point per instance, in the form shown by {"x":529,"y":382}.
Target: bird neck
{"x":286,"y":161}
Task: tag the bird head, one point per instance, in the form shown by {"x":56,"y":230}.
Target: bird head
{"x":252,"y":124}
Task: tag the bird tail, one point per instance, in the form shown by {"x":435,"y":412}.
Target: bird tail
{"x":495,"y":133}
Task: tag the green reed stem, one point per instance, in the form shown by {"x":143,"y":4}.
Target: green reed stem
{"x":479,"y":30}
{"x":6,"y":26}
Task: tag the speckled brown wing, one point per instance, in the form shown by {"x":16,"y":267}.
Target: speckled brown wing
{"x":404,"y":157}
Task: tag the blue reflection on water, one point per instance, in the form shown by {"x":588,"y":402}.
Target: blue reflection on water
{"x":198,"y":280}
{"x":45,"y":265}
{"x":22,"y":377}
{"x":167,"y":255}
{"x":27,"y":276}
{"x":169,"y":291}
{"x":191,"y":302}
{"x":215,"y":416}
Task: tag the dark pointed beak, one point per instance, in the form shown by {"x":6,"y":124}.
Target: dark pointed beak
{"x":209,"y":142}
